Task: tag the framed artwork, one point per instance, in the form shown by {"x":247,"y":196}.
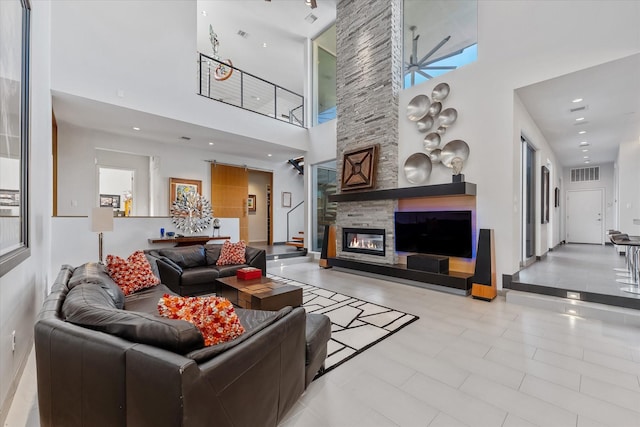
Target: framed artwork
{"x":359,"y":168}
{"x":110,"y":201}
{"x":179,"y":186}
{"x":251,"y":203}
{"x":545,"y":195}
{"x":9,"y":197}
{"x":286,"y":199}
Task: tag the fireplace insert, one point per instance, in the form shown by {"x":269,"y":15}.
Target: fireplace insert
{"x":370,"y":241}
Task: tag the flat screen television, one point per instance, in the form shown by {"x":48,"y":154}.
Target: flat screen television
{"x":434,"y":232}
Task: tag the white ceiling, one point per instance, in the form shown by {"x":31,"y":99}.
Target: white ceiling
{"x":611,"y":97}
{"x":610,"y":91}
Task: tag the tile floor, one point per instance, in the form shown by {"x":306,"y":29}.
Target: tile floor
{"x":588,"y":268}
{"x":465,"y":362}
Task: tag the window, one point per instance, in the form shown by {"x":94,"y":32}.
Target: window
{"x":14,"y":133}
{"x":585,"y":174}
{"x":439,"y":36}
{"x":324,"y":76}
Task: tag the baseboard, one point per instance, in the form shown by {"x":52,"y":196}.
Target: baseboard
{"x":6,"y":405}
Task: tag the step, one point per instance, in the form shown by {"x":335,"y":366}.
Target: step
{"x":589,"y":310}
{"x":296,"y":244}
{"x":297,"y":238}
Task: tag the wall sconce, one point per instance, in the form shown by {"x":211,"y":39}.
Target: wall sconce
{"x":101,"y":220}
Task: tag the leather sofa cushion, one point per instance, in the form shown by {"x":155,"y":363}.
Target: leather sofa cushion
{"x":146,"y":300}
{"x":229,"y":270}
{"x":212,"y":252}
{"x":96,"y":274}
{"x":91,"y":306}
{"x":253,"y":322}
{"x":186,"y":256}
{"x":318,"y":333}
{"x":199,"y":275}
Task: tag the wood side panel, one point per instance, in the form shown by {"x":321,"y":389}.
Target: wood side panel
{"x":446,"y":203}
{"x":229,"y":187}
{"x":54,"y":151}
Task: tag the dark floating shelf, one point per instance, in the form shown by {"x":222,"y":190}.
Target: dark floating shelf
{"x":453,"y":189}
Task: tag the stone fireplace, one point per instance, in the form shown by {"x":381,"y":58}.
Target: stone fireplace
{"x":369,"y":241}
{"x":369,"y":80}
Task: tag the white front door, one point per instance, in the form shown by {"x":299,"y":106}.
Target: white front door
{"x":584,"y":216}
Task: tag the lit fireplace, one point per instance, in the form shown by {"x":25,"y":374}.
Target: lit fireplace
{"x":369,"y":241}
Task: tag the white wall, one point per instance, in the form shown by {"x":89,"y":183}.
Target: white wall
{"x":152,"y":59}
{"x":606,"y":183}
{"x":519,"y":43}
{"x":22,"y":289}
{"x":628,"y":186}
{"x":76,"y":244}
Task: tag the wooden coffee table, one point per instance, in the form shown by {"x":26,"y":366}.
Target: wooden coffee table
{"x":259,"y":294}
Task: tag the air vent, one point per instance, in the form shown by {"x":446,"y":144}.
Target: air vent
{"x":186,"y":138}
{"x":585,"y":174}
{"x":243,"y":34}
{"x":583,"y":108}
{"x":311,"y":18}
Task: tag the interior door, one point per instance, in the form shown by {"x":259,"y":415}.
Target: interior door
{"x":584,"y":216}
{"x":229,"y":191}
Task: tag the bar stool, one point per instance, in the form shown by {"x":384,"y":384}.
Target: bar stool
{"x":616,"y":236}
{"x":633,"y":252}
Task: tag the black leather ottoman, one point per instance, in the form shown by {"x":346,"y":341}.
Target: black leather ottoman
{"x":318,"y":333}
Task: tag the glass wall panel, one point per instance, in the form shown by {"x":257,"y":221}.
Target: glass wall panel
{"x":439,"y":36}
{"x":324,"y":76}
{"x":324,"y":212}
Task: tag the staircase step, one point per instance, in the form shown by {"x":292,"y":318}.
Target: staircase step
{"x":296,"y":244}
{"x":298,"y":238}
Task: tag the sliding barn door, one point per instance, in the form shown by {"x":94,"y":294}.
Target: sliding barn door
{"x":229,"y":186}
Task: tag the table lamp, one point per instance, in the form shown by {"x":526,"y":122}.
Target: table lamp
{"x":101,"y":220}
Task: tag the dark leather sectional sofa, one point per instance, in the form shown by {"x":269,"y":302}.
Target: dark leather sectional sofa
{"x":104,"y":359}
{"x":192,"y":270}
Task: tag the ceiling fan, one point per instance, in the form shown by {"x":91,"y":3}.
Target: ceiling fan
{"x":424,"y":64}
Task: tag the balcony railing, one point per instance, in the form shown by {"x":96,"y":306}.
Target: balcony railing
{"x":249,"y":92}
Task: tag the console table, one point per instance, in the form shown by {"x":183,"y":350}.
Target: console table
{"x":189,"y":240}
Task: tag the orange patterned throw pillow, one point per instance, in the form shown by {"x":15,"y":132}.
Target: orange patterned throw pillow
{"x":131,"y":274}
{"x":232,"y":253}
{"x":213,"y":316}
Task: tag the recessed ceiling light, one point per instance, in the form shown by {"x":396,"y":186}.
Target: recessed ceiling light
{"x":264,"y":44}
{"x":584,"y":150}
{"x":269,"y":155}
{"x":204,"y":13}
{"x":585,"y":157}
{"x":211,"y":143}
{"x":136,"y":128}
{"x":584,"y":144}
{"x":582,"y":132}
{"x":587,"y":161}
{"x":577,"y":100}
{"x":579,"y":119}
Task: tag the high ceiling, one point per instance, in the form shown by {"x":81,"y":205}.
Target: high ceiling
{"x":610,"y":109}
{"x":610,"y":91}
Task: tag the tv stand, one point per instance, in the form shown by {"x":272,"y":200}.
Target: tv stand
{"x":458,"y":282}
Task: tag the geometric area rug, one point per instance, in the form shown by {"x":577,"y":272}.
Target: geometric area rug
{"x":356,"y":325}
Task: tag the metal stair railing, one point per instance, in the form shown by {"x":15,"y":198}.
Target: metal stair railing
{"x":249,"y":92}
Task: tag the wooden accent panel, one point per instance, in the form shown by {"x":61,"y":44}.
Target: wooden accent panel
{"x":229,"y":187}
{"x":446,"y":203}
{"x":54,"y":151}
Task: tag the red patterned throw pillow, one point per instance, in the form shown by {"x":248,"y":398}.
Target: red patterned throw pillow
{"x":232,"y":253}
{"x":131,"y":274}
{"x":213,"y":316}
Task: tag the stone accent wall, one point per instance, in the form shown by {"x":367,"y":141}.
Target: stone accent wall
{"x":369,"y":80}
